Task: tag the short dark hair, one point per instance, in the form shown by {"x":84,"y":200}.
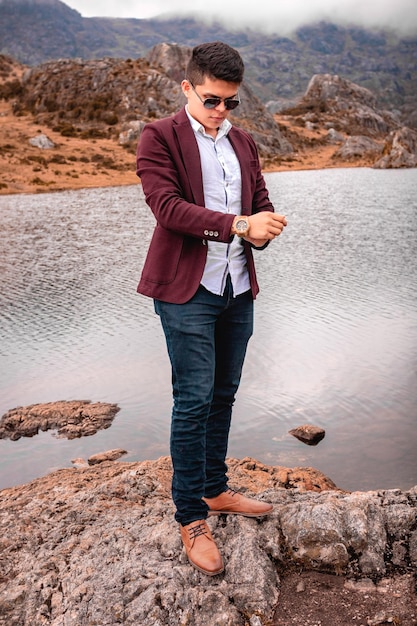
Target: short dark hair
{"x":214,"y":60}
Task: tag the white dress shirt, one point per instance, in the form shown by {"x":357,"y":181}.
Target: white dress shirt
{"x":222,"y":187}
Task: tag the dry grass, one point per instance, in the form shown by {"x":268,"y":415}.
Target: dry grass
{"x":77,"y":163}
{"x":73,"y":164}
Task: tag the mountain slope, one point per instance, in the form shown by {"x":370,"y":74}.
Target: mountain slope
{"x":277,"y":68}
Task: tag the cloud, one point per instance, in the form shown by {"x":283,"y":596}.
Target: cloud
{"x":286,"y":15}
{"x":281,"y":17}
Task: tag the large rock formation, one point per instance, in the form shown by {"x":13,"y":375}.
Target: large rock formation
{"x":97,"y":94}
{"x":351,"y":107}
{"x":99,"y":545}
{"x":351,"y":116}
{"x":109,"y":97}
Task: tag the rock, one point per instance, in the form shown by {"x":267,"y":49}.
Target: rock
{"x":79,"y":462}
{"x":334,"y":137}
{"x":301,"y":587}
{"x":42,"y":141}
{"x":400,"y":150}
{"x":309,"y":434}
{"x":410,"y":119}
{"x":331,"y":99}
{"x":110,"y":455}
{"x":358,"y":147}
{"x":279,"y":104}
{"x":256,"y":476}
{"x":366,"y":585}
{"x":172,"y":58}
{"x":71,"y":419}
{"x":99,"y":545}
{"x":334,"y":90}
{"x":131,"y":132}
{"x":413,"y":548}
{"x":382,"y":618}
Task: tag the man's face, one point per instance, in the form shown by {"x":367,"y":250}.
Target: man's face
{"x":211,"y":119}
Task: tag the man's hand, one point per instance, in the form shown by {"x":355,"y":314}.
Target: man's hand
{"x":264,"y":226}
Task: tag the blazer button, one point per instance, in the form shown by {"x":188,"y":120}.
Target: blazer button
{"x":206,"y":232}
{"x":211,"y":233}
{"x":216,"y":234}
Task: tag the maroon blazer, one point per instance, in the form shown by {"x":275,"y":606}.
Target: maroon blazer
{"x":168,"y":164}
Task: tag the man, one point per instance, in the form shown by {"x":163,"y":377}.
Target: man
{"x":202,"y":179}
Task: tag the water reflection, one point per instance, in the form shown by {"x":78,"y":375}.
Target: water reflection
{"x":335,"y":339}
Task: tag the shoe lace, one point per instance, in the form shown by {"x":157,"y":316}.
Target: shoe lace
{"x":231,"y":491}
{"x":196,"y":531}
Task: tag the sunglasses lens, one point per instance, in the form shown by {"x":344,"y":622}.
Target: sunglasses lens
{"x":211,"y":103}
{"x":231,"y":104}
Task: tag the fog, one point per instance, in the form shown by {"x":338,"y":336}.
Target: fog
{"x":282,"y":17}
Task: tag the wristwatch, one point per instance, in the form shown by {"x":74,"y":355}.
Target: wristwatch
{"x":241,"y":227}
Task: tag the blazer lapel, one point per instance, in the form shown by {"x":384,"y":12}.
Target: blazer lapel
{"x":241,"y":149}
{"x":190,"y":155}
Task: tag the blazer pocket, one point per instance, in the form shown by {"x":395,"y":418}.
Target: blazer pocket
{"x":163,"y":257}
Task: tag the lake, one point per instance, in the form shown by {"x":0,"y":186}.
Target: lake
{"x":335,"y":341}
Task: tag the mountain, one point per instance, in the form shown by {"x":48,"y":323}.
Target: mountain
{"x":105,"y":97}
{"x":278,"y":69}
{"x":73,"y":123}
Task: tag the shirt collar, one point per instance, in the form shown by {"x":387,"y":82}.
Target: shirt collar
{"x":224,"y":127}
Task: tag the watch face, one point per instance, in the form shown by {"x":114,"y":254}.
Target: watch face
{"x":241,"y":225}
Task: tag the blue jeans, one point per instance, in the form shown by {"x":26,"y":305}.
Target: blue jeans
{"x":206,"y":339}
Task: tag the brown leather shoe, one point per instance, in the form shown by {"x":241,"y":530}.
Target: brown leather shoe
{"x":200,"y":547}
{"x":231,"y":501}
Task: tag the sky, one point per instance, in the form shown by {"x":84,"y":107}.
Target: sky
{"x":281,"y":16}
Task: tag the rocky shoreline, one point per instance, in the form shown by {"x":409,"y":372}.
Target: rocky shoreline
{"x":99,"y":545}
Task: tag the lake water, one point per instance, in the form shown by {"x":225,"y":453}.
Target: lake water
{"x":335,"y":341}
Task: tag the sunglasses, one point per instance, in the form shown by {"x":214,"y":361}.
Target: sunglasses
{"x":212,"y":103}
